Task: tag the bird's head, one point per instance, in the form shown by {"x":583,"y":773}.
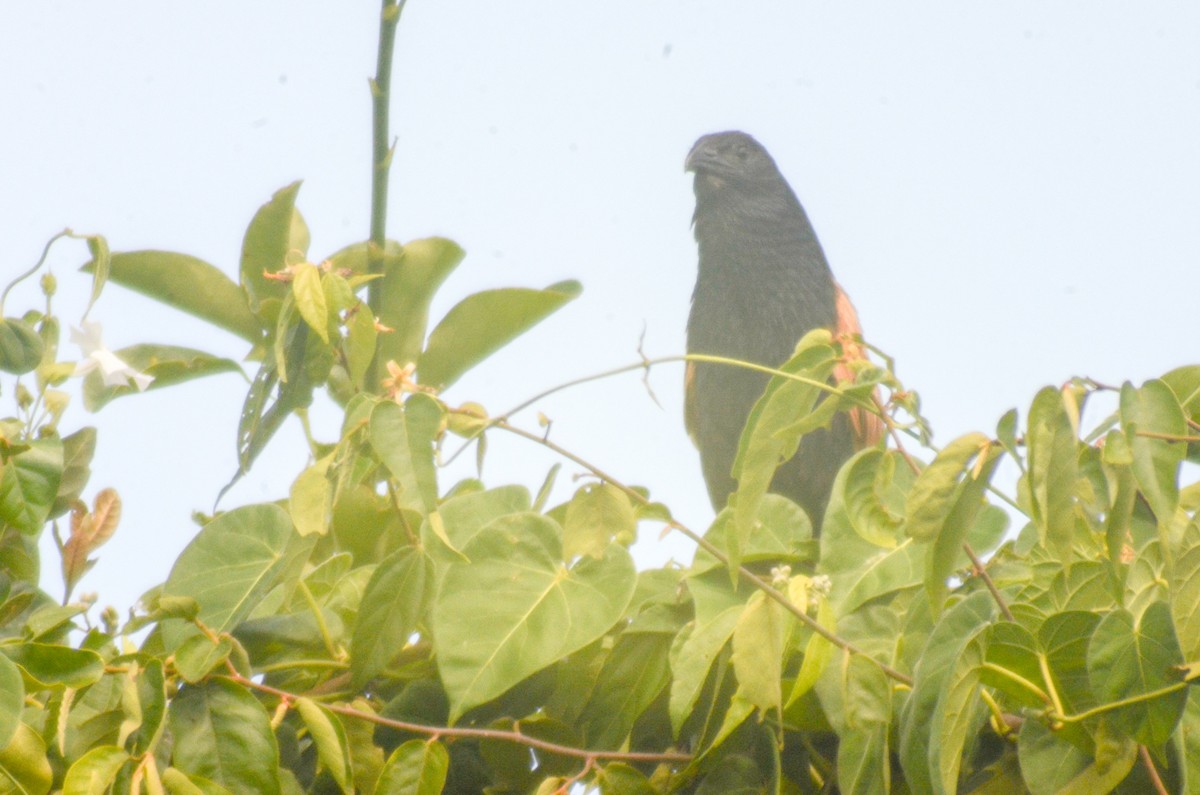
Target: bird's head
{"x":732,"y":159}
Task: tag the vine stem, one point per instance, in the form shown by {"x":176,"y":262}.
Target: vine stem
{"x":382,"y":148}
{"x":515,"y":736}
{"x":36,"y":265}
{"x":645,"y":364}
{"x":711,"y":549}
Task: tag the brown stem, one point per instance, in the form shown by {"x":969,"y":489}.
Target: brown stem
{"x":1152,"y":771}
{"x":981,"y":573}
{"x":464,"y":732}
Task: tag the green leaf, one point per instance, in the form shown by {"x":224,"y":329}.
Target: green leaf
{"x":953,"y":720}
{"x":782,"y":532}
{"x":309,"y":295}
{"x":817,"y":654}
{"x":78,"y":450}
{"x":272,"y":398}
{"x":189,"y":284}
{"x":618,"y":778}
{"x":515,"y":609}
{"x":402,"y":438}
{"x":29,"y":484}
{"x":483,"y":323}
{"x":1188,"y":739}
{"x":1185,"y":591}
{"x":1125,"y":662}
{"x":1154,"y":409}
{"x":12,"y":699}
{"x":199,"y":656}
{"x":1012,"y":648}
{"x":222,"y":733}
{"x":94,"y":772}
{"x":233,"y":563}
{"x":1048,"y":761}
{"x":633,"y":676}
{"x":152,"y":706}
{"x":465,"y":515}
{"x":692,"y":656}
{"x":366,"y":758}
{"x":20,"y":346}
{"x":360,"y":345}
{"x":1185,"y":384}
{"x":861,"y":759}
{"x":415,"y":768}
{"x":167,"y":364}
{"x":277,"y":237}
{"x":1064,"y":639}
{"x":946,"y":551}
{"x":411,"y":276}
{"x":595,"y":515}
{"x":935,"y":491}
{"x":48,"y":665}
{"x":395,"y":600}
{"x":178,"y":783}
{"x":758,"y":640}
{"x":868,"y":483}
{"x":101,"y":265}
{"x":1052,"y":446}
{"x":24,"y":768}
{"x":1006,"y":434}
{"x":1052,"y":766}
{"x":935,"y":668}
{"x":774,"y":428}
{"x":860,"y":571}
{"x":1115,"y":758}
{"x":327,"y":732}
{"x":310,"y":500}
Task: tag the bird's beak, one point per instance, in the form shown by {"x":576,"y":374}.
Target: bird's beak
{"x":696,"y":158}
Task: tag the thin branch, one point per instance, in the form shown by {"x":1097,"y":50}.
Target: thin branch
{"x":381,"y":160}
{"x":514,"y":736}
{"x":982,"y":574}
{"x":645,"y":364}
{"x":711,"y":549}
{"x":1170,"y":437}
{"x":1152,"y":771}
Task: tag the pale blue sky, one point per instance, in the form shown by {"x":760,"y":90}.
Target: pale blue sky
{"x":1009,"y":191}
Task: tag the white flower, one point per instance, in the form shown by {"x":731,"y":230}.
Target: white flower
{"x":112,"y":368}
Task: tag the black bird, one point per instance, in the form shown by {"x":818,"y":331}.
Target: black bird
{"x":763,"y":283}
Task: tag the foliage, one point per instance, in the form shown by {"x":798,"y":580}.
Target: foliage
{"x":379,"y":631}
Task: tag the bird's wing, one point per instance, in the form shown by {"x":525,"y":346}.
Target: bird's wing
{"x":867,"y":426}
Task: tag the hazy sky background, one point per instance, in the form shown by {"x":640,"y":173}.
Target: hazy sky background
{"x":1009,"y":191}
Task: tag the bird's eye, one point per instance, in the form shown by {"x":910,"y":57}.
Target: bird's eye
{"x":742,"y":152}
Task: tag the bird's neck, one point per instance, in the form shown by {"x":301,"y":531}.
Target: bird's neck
{"x":770,"y":235}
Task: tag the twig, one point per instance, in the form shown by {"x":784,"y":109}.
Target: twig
{"x":1148,"y":763}
{"x":645,"y":364}
{"x":1170,"y":437}
{"x":981,"y":573}
{"x":466,"y":732}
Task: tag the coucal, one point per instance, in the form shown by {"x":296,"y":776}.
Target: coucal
{"x":763,"y":283}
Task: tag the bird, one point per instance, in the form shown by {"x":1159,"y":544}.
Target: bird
{"x":763,"y":282}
